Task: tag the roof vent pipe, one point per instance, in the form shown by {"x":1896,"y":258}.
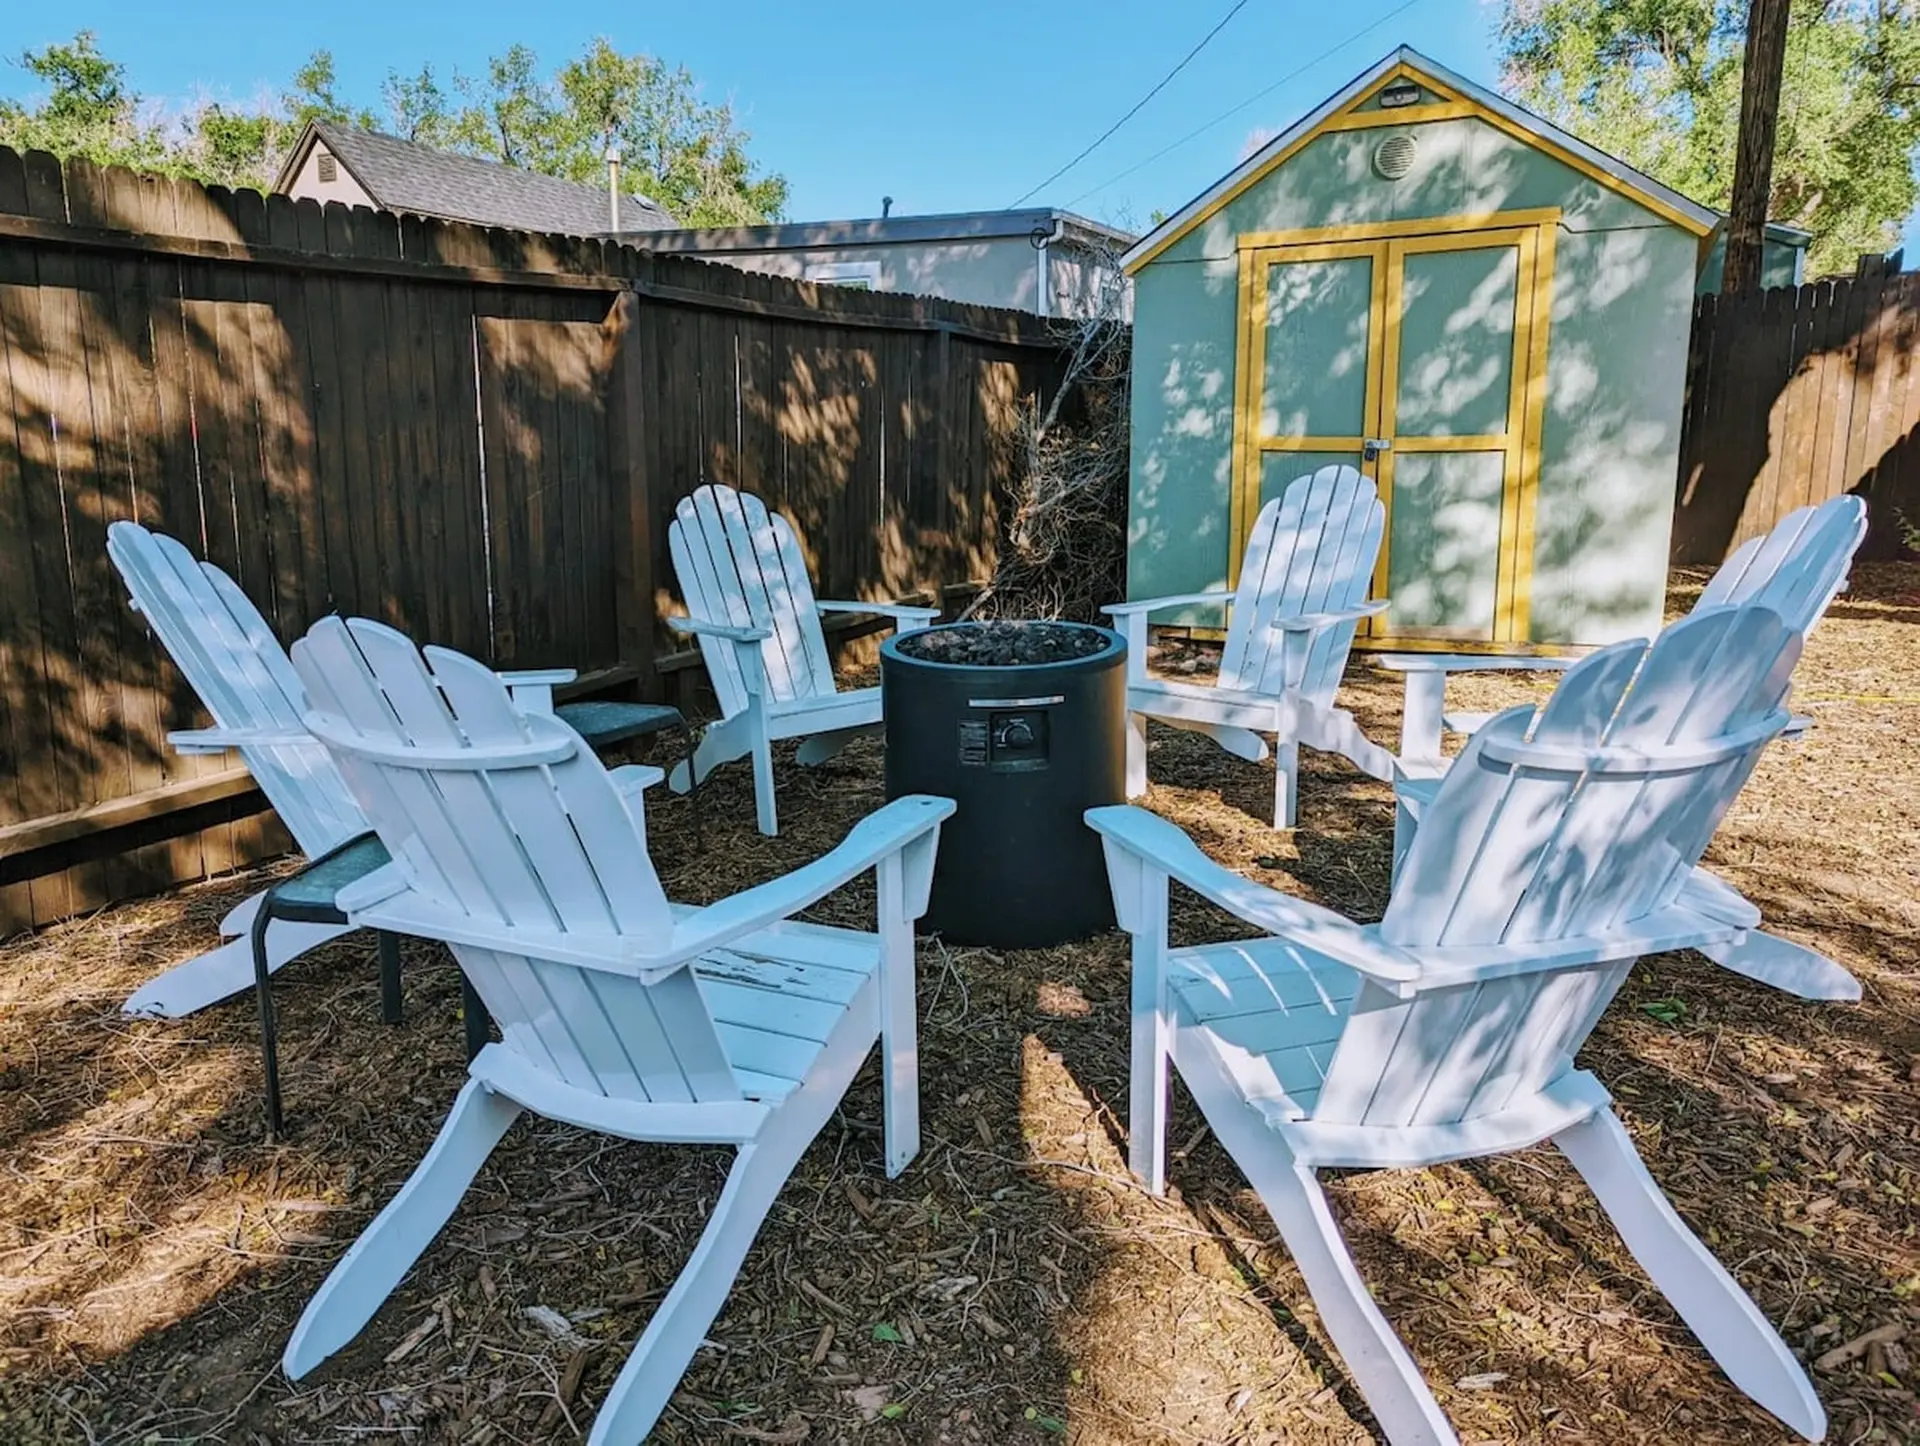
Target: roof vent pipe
{"x":886,"y":207}
{"x":613,"y":188}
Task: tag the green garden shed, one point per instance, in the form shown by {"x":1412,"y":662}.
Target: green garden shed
{"x":1480,"y":311}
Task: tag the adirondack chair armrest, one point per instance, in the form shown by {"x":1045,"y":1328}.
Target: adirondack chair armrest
{"x":878,"y":836}
{"x":1318,"y":622}
{"x":632,"y":778}
{"x":219,"y":740}
{"x":1166,"y":849}
{"x":1161,"y":604}
{"x":539,"y":677}
{"x":700,"y":627}
{"x":532,"y":688}
{"x":918,"y":617}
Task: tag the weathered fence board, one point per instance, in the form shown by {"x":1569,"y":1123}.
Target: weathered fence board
{"x":475,"y":435}
{"x":1795,"y":395}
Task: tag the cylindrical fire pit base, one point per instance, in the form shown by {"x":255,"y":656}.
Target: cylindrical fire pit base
{"x":1021,"y":724}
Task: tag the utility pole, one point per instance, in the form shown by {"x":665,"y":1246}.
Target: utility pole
{"x":1753,"y":164}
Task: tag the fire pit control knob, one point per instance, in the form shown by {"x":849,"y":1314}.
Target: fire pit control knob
{"x":1014,"y":734}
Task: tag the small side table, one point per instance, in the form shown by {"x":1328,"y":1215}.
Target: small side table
{"x":1423,"y":710}
{"x":307,"y":897}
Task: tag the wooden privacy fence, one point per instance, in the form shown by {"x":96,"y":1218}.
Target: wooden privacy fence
{"x":478,"y":436}
{"x":1795,"y":395}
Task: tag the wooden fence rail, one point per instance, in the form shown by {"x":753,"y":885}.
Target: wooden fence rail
{"x":478,"y":436}
{"x":1795,"y":395}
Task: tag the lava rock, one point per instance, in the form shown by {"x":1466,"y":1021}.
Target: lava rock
{"x":1004,"y":644}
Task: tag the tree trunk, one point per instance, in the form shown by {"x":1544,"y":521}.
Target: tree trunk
{"x":1753,"y":166}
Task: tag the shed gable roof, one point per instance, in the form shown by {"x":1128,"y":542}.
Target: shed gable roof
{"x":407,"y":176}
{"x":1459,"y":97}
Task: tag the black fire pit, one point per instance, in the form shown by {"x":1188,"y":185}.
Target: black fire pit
{"x":1021,"y":724}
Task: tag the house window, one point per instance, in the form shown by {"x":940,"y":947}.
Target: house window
{"x":326,"y":169}
{"x":861,"y":275}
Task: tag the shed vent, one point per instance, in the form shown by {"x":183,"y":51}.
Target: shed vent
{"x":326,"y":168}
{"x":1393,"y":157}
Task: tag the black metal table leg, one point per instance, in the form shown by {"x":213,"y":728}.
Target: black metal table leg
{"x":390,"y":1001}
{"x":474,"y":1013}
{"x":269,"y":1038}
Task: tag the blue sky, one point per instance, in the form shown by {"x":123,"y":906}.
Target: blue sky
{"x":945,"y":107}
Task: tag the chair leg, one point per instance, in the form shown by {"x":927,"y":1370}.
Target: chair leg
{"x":1718,"y":1311}
{"x":221,"y":973}
{"x":693,"y":786}
{"x":1378,"y":1361}
{"x":387,"y":1248}
{"x":899,"y":1024}
{"x":1374,"y":1355}
{"x":660,"y":1359}
{"x":1286,"y":783}
{"x":1136,"y":754}
{"x":269,"y":1027}
{"x":1785,"y":965}
{"x":392,"y":1008}
{"x":763,"y":804}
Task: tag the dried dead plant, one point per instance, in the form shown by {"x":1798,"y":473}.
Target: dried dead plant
{"x":1064,"y":554}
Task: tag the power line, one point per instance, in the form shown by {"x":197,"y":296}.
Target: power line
{"x":1226,"y":115}
{"x":1100,"y":140}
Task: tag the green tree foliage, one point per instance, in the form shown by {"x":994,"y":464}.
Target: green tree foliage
{"x":1657,"y":83}
{"x":688,"y":155}
{"x":88,"y":110}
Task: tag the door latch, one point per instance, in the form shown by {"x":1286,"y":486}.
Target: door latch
{"x":1372,"y":447}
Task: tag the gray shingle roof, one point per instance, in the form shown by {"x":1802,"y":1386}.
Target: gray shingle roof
{"x":406,"y":176}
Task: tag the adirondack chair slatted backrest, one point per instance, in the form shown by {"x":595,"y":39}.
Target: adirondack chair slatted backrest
{"x":1798,"y":568}
{"x":1589,"y":825}
{"x":231,"y":658}
{"x":1311,"y":550}
{"x":510,"y":820}
{"x":740,"y":565}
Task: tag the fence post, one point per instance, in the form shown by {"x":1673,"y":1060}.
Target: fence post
{"x":632,"y":508}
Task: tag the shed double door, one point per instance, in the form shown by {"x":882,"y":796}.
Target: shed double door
{"x":1419,"y":359}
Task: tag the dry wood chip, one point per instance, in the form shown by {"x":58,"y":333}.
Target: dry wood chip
{"x":412,"y":1339}
{"x":822,"y":1343}
{"x":487,"y":1286}
{"x":819,"y":1297}
{"x":795,"y":1431}
{"x":1842,"y":1355}
{"x":984,"y":1130}
{"x":570,"y":1377}
{"x":991,"y":1326}
{"x":862,"y":1206}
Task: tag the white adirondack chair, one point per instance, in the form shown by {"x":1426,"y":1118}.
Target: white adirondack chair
{"x":1547,"y":864}
{"x":1302,"y":593}
{"x":1795,"y":571}
{"x":619,"y":1012}
{"x":230,"y":656}
{"x":750,"y":604}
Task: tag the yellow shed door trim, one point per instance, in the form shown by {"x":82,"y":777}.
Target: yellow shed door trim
{"x":1386,"y":246}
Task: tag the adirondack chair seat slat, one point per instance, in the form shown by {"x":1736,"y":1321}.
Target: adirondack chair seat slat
{"x":751,"y":609}
{"x":1302,"y":593}
{"x":1559,"y":848}
{"x":618,"y":1011}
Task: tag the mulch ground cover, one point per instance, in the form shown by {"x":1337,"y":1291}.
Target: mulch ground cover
{"x":1014,"y":1284}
